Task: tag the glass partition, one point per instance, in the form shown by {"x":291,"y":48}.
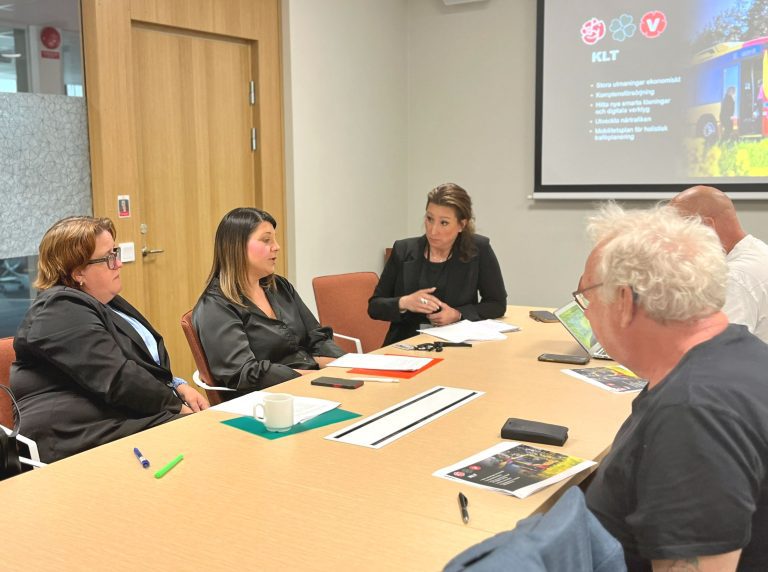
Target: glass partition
{"x":16,"y":291}
{"x":44,"y":157}
{"x":40,"y":47}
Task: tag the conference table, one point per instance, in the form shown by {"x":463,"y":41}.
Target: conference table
{"x":303,"y":502}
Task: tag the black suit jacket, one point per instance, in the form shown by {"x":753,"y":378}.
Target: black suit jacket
{"x":83,"y":376}
{"x":402,"y":275}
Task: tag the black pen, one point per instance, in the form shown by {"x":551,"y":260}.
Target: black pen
{"x":463,"y":503}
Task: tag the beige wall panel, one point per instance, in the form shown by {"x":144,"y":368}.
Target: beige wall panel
{"x":111,"y":128}
{"x":270,"y":126}
{"x":123,"y":162}
{"x":250,"y":19}
{"x":195,"y":159}
{"x":237,"y":18}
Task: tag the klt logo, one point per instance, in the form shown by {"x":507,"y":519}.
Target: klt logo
{"x":652,"y":25}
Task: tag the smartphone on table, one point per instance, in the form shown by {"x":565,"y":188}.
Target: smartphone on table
{"x":564,"y":358}
{"x":338,"y":382}
{"x":543,"y":316}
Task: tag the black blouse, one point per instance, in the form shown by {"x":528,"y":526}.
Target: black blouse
{"x":248,"y":350}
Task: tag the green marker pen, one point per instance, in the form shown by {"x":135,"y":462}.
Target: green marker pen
{"x":168,"y":467}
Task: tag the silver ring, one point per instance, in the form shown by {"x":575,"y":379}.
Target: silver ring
{"x":424,"y":301}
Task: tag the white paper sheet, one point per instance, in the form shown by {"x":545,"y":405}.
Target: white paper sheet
{"x":465,"y":331}
{"x":383,"y":362}
{"x":499,"y":326}
{"x":390,"y":424}
{"x":304,"y":408}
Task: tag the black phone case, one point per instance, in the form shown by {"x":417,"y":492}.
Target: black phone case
{"x":337,"y":382}
{"x":534,"y":431}
{"x":563,"y":358}
{"x":543,"y":316}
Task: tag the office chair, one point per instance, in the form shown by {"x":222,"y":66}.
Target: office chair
{"x":10,"y":464}
{"x":342,"y":304}
{"x":202,"y":377}
{"x":7,"y":357}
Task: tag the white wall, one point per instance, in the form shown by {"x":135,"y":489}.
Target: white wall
{"x":471,"y":90}
{"x":345,"y":106}
{"x":462,"y":105}
{"x":471,"y":81}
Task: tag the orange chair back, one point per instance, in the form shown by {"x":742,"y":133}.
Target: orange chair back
{"x":342,"y":304}
{"x":214,"y":397}
{"x":7,"y":357}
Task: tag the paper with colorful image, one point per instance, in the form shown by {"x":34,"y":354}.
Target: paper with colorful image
{"x":616,"y":379}
{"x":514,"y":468}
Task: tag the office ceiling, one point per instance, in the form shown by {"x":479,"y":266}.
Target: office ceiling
{"x":64,"y":14}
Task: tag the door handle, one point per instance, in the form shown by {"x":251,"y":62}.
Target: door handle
{"x":147,"y":251}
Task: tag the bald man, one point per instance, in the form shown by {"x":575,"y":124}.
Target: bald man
{"x":747,"y":257}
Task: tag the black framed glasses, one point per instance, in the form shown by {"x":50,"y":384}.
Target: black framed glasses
{"x":111,"y":259}
{"x":581,"y":299}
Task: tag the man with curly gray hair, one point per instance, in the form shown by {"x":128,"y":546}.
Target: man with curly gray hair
{"x":685,"y":486}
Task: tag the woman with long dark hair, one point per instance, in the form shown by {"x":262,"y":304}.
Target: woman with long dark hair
{"x":254,"y":327}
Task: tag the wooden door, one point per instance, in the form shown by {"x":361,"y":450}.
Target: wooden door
{"x":170,"y":118}
{"x":193,"y":130}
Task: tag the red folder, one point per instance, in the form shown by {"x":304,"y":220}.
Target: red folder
{"x":391,"y":373}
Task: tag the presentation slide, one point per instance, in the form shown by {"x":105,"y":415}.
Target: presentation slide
{"x":652,"y":93}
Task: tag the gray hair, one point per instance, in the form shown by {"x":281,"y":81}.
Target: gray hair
{"x":675,"y":265}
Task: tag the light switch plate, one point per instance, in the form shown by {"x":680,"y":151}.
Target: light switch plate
{"x":127,"y":252}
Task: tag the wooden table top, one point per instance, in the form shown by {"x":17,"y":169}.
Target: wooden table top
{"x":304,"y":502}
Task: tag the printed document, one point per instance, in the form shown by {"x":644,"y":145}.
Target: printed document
{"x":304,"y":408}
{"x":466,"y":331}
{"x":514,"y":468}
{"x":392,"y":423}
{"x":382,"y":362}
{"x":616,"y":379}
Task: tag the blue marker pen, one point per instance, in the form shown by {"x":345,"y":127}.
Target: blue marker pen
{"x":142,"y":459}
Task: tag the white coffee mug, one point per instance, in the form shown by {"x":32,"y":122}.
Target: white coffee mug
{"x":276,"y":412}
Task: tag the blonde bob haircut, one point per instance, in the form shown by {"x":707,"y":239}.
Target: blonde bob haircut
{"x":230,"y":252}
{"x":67,"y":246}
{"x":675,"y":265}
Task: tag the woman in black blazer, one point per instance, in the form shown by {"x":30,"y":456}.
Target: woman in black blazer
{"x":434,"y":279}
{"x":253,"y":325}
{"x":89,"y":367}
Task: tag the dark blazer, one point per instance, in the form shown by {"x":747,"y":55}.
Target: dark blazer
{"x":84,"y":377}
{"x":247,"y":350}
{"x":403,"y":275}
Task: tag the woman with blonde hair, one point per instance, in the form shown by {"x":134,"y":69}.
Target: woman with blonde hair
{"x":89,"y":367}
{"x":255,"y":329}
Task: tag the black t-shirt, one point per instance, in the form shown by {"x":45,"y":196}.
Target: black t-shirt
{"x":687,"y":474}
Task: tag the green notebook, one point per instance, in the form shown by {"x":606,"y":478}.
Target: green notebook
{"x":252,"y":425}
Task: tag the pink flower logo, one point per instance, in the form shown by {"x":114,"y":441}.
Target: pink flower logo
{"x":592,"y":31}
{"x":652,"y":24}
